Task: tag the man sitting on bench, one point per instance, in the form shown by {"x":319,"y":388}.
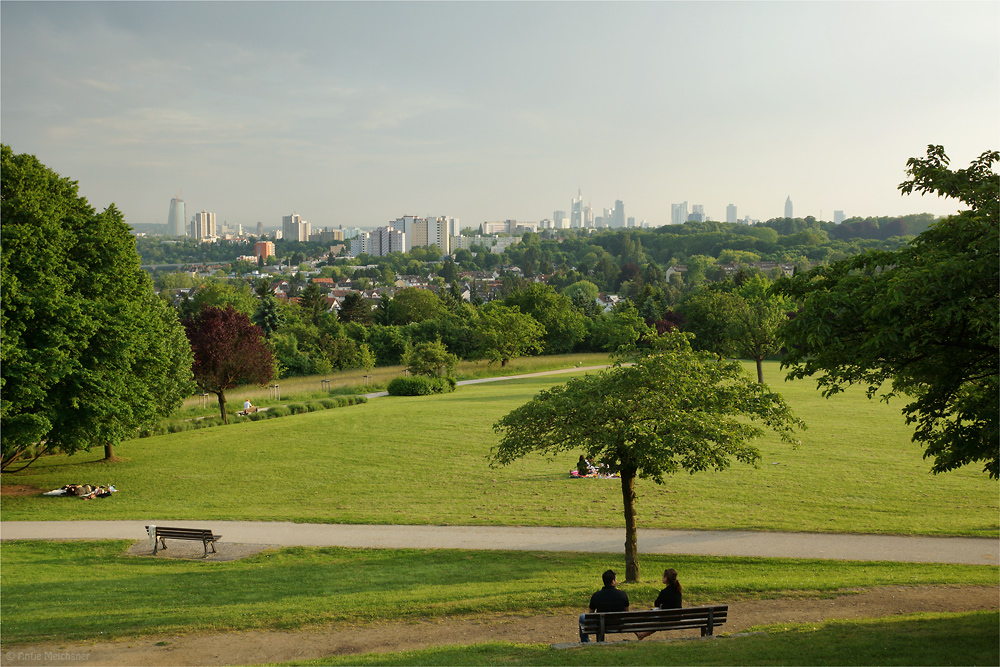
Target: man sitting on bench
{"x":248,"y":407}
{"x":608,"y":598}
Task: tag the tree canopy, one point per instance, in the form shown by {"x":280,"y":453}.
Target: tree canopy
{"x":922,"y":320}
{"x":675,"y":409}
{"x":229,"y":351}
{"x":506,"y":333}
{"x":89,"y":353}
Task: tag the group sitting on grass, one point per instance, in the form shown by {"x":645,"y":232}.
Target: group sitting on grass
{"x":587,"y":468}
{"x":85,"y":491}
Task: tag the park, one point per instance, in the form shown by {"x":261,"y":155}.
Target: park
{"x":423,"y":461}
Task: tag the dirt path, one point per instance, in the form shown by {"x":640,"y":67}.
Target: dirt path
{"x":248,"y":648}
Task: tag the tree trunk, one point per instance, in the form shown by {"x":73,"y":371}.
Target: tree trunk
{"x":109,"y":452}
{"x":631,"y":534}
{"x":222,"y":406}
{"x":760,"y":370}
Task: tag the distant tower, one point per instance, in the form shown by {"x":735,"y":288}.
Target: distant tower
{"x":618,"y":217}
{"x":678,"y":213}
{"x":576,"y":219}
{"x":260,"y":228}
{"x":788,"y":207}
{"x":731,"y":213}
{"x":839,"y":217}
{"x":176,"y":220}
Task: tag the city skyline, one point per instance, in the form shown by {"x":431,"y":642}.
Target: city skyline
{"x":496,"y":111}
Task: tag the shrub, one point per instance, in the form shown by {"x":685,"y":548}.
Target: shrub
{"x":420,"y":386}
{"x":297,"y":408}
{"x":279,"y":411}
{"x":313,"y":407}
{"x":329,"y":403}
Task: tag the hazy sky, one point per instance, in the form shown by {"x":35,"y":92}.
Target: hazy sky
{"x":359,"y":113}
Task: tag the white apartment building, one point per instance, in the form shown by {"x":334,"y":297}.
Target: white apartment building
{"x":378,"y":242}
{"x":203,"y":225}
{"x":294,"y":228}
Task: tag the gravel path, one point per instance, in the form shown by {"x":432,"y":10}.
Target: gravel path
{"x":977,"y":551}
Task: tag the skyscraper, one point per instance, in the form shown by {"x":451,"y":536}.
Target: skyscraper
{"x":176,"y":220}
{"x":618,"y":217}
{"x":294,"y":228}
{"x":678,"y":213}
{"x":203,"y":225}
{"x":788,"y":207}
{"x":260,"y":228}
{"x":576,"y":219}
{"x":731,"y":213}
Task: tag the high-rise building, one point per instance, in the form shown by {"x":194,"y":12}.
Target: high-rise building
{"x":788,"y":207}
{"x":576,"y":217}
{"x":294,"y":228}
{"x":697,"y":213}
{"x":260,"y":228}
{"x":618,"y":215}
{"x":264,"y":249}
{"x":678,"y":213}
{"x":559,"y":220}
{"x":176,"y":220}
{"x":203,"y":225}
{"x":839,"y":217}
{"x":731,"y":213}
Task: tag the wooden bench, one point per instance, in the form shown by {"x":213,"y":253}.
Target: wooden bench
{"x":162,"y":533}
{"x":705,"y":618}
{"x":250,"y":410}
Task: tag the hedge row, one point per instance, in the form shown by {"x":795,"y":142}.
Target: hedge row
{"x":420,"y":386}
{"x":270,"y":413}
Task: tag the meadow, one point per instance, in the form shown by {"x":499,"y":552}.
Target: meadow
{"x":51,"y":589}
{"x":423,"y":460}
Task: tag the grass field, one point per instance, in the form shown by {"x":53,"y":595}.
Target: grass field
{"x":920,"y":639}
{"x":422,"y":460}
{"x":52,"y":589}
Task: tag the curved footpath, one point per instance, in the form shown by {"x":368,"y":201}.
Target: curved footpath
{"x":967,"y":550}
{"x":921,"y":549}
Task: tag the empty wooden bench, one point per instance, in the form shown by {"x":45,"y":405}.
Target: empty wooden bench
{"x":705,"y":618}
{"x":203,"y":535}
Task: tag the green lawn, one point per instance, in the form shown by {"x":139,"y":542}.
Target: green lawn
{"x":919,"y":639}
{"x":52,"y":589}
{"x":422,"y":460}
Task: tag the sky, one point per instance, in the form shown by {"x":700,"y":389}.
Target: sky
{"x":356,"y":114}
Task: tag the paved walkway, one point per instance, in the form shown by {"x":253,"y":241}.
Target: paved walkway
{"x":976,"y":551}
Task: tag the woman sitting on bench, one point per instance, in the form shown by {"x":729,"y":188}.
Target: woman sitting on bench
{"x":669,"y":597}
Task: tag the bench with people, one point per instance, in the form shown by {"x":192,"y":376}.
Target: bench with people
{"x":609,"y":612}
{"x":85,"y":491}
{"x":248,"y":408}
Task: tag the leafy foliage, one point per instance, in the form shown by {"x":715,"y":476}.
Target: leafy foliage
{"x":675,"y":409}
{"x":89,"y":353}
{"x":922,"y":319}
{"x":420,"y":386}
{"x":506,"y":333}
{"x":431,"y":359}
{"x":229,"y":351}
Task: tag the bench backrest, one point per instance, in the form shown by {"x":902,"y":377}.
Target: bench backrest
{"x":183,"y":533}
{"x":654,"y":619}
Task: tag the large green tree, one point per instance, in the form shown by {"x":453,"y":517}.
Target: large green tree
{"x":564,"y":325}
{"x":920,"y":323}
{"x":754,"y":320}
{"x":89,"y":354}
{"x":675,"y":409}
{"x":506,"y":333}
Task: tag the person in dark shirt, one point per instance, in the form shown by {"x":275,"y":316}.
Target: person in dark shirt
{"x":608,"y":598}
{"x":669,"y":597}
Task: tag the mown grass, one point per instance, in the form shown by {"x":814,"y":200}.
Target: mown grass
{"x":354,"y":382}
{"x":423,"y":460}
{"x":78,"y":590}
{"x":914,"y":639}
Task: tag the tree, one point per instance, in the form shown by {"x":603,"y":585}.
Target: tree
{"x":754,"y":321}
{"x":89,"y":353}
{"x":564,"y":325}
{"x":507,"y":333}
{"x":922,"y":319}
{"x":220,"y":293}
{"x":675,"y":409}
{"x":431,"y":359}
{"x":313,"y":302}
{"x":229,"y":351}
{"x":355,"y":308}
{"x":413,"y":305}
{"x":268,"y":316}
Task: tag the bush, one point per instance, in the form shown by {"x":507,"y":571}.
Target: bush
{"x":297,"y":408}
{"x":279,"y":411}
{"x":420,"y":386}
{"x":329,"y":403}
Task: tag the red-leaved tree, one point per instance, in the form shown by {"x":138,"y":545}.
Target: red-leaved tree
{"x":229,"y":351}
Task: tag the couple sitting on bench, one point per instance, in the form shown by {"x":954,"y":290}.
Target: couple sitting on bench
{"x":610,"y":598}
{"x":248,"y":408}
